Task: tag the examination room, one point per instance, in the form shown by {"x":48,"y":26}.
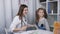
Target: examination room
{"x":29,"y":16}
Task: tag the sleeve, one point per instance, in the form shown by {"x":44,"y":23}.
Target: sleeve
{"x":14,"y":23}
{"x":47,"y":25}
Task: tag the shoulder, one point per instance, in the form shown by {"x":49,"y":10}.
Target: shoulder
{"x":16,"y":18}
{"x":44,"y":19}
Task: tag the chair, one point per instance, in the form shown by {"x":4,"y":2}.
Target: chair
{"x":8,"y":32}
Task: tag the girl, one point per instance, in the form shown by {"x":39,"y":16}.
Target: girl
{"x":41,"y":19}
{"x":19,"y":23}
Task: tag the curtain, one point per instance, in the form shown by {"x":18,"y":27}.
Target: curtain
{"x":8,"y":9}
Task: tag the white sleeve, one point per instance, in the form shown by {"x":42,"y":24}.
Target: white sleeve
{"x":14,"y":23}
{"x":47,"y":25}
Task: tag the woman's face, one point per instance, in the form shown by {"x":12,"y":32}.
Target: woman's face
{"x":25,"y":11}
{"x":41,"y":13}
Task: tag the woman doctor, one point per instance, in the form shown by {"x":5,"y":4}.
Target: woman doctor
{"x":19,"y":22}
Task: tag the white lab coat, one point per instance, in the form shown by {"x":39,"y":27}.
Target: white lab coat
{"x":17,"y":21}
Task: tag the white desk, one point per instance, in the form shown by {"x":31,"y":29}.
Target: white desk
{"x":36,"y":32}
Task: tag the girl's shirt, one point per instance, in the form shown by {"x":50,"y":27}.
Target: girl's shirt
{"x":43,"y":22}
{"x":17,"y":23}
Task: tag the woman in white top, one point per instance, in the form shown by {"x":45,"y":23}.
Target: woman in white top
{"x":19,"y":22}
{"x":41,"y":19}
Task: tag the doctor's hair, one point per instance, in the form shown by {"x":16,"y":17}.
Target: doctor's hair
{"x":37,"y":16}
{"x":20,"y":12}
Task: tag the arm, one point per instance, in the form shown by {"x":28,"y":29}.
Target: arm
{"x":47,"y":25}
{"x":30,"y":25}
{"x":14,"y":24}
{"x":20,"y":29}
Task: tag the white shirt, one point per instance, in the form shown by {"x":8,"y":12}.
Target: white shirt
{"x":45,"y":22}
{"x":15,"y":22}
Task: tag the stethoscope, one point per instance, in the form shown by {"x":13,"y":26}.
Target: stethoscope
{"x":22,"y":22}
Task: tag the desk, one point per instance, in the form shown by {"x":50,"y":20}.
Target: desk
{"x":36,"y":32}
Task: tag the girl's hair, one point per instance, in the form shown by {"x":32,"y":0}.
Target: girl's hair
{"x":21,"y":8}
{"x":37,"y":16}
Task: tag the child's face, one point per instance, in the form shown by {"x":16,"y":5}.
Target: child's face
{"x":41,"y":13}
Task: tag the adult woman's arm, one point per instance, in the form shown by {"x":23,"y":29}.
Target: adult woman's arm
{"x":20,"y":29}
{"x":15,"y":23}
{"x":47,"y":25}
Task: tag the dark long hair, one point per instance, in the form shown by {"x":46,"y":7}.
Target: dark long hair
{"x":20,"y":12}
{"x":37,"y":16}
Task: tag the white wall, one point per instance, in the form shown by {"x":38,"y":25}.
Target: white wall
{"x":37,"y":4}
{"x":59,"y":11}
{"x":31,"y":11}
{"x":15,"y":7}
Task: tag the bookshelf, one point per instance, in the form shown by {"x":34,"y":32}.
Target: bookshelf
{"x":52,"y":8}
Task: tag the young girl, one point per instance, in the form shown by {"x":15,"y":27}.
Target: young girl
{"x":41,"y":19}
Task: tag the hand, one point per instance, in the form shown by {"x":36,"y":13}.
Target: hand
{"x":30,"y":25}
{"x":23,"y":27}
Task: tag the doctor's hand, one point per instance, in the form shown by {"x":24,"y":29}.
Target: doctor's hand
{"x":23,"y":27}
{"x":20,"y":29}
{"x":31,"y":25}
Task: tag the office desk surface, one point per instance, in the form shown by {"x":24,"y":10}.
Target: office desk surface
{"x":36,"y":32}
